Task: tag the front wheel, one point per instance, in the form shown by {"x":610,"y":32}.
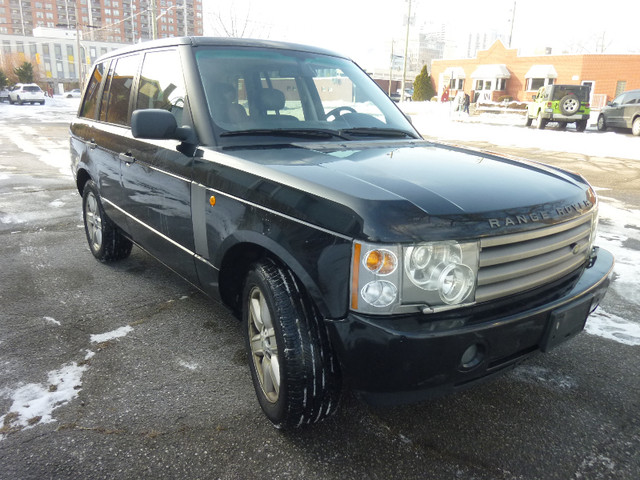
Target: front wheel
{"x":293,"y":368}
{"x":528,"y":121}
{"x":542,"y":122}
{"x":602,"y":124}
{"x":106,"y":242}
{"x":635,"y":127}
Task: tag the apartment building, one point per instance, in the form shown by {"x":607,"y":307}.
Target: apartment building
{"x":63,"y":37}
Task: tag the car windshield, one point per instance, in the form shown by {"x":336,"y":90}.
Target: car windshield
{"x":259,"y":91}
{"x":560,"y":91}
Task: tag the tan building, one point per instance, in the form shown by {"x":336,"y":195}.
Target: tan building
{"x":500,"y":73}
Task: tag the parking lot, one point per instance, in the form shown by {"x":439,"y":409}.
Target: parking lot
{"x":126,"y":371}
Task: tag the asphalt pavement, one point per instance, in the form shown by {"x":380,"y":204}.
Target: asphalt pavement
{"x":166,"y":392}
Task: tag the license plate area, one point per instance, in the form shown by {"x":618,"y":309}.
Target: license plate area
{"x":565,"y":322}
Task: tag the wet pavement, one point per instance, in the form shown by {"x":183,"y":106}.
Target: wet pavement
{"x":166,"y":393}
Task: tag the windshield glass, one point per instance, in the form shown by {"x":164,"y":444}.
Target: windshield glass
{"x":254,"y":91}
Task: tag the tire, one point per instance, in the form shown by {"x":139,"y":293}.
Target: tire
{"x":19,"y":100}
{"x":569,"y":105}
{"x":562,"y":125}
{"x":42,"y":102}
{"x":581,"y":125}
{"x":602,"y":123}
{"x":542,"y":122}
{"x":528,"y":121}
{"x":11,"y":101}
{"x":106,"y":242}
{"x":293,"y":368}
{"x":635,"y":127}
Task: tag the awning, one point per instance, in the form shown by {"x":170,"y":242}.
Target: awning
{"x":498,"y":70}
{"x":542,"y":71}
{"x":454,"y":72}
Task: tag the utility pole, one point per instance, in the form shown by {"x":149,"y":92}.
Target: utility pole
{"x":391,"y":68}
{"x":154,"y":20}
{"x":513,"y":19}
{"x":406,"y":53}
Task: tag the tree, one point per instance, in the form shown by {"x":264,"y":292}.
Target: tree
{"x":24,"y":72}
{"x":4,"y":81}
{"x":422,"y":86}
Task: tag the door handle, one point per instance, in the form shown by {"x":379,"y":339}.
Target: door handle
{"x":127,"y":158}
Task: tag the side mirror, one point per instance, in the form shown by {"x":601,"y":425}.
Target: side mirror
{"x":157,"y":124}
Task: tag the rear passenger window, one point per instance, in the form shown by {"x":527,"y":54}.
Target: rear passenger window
{"x":89,"y":107}
{"x":115,"y":101}
{"x":162,"y":83}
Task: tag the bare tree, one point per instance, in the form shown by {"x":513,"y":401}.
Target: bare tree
{"x":234,"y":20}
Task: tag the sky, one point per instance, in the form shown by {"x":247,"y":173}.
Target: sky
{"x":365,"y":29}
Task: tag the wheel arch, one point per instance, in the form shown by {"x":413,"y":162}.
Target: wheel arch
{"x":82,"y":177}
{"x":243,"y":250}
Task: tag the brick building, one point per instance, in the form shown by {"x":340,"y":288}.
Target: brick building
{"x":62,"y":38}
{"x":499,"y":73}
{"x":119,"y":21}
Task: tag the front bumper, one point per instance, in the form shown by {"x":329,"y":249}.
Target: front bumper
{"x":391,"y":360}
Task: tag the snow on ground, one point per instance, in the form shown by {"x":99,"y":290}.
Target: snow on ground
{"x":439,"y":120}
{"x":34,"y":403}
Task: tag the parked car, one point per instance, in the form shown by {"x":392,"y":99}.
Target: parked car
{"x":563,"y":104}
{"x":623,"y":112}
{"x":26,"y":93}
{"x":4,"y":94}
{"x":281,"y":180}
{"x":75,"y":93}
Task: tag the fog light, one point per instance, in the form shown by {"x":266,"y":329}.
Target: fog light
{"x":472,"y":356}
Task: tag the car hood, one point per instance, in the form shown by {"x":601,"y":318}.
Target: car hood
{"x":402,"y":189}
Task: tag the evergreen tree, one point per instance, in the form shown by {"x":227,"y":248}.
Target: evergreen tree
{"x":422,"y":86}
{"x":24,"y":73}
{"x":4,"y":81}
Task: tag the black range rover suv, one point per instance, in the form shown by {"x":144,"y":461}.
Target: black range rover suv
{"x":281,"y":180}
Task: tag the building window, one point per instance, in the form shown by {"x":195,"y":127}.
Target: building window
{"x":456,"y":83}
{"x":501,"y":84}
{"x":533,"y":84}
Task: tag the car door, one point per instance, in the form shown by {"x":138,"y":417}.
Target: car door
{"x":616,"y":111}
{"x":156,"y":176}
{"x":92,"y":142}
{"x":630,"y":107}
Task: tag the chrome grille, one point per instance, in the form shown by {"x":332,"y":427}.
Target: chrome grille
{"x":514,"y":263}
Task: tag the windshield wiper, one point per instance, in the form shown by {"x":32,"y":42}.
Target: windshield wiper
{"x":286,"y":132}
{"x":377,"y":132}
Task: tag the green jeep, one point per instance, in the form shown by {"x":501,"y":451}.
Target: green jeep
{"x":560,"y":103}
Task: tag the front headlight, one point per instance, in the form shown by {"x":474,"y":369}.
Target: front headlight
{"x":439,"y":267}
{"x":421,"y":277}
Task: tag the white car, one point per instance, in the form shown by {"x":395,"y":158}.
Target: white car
{"x":26,"y":93}
{"x":4,"y":94}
